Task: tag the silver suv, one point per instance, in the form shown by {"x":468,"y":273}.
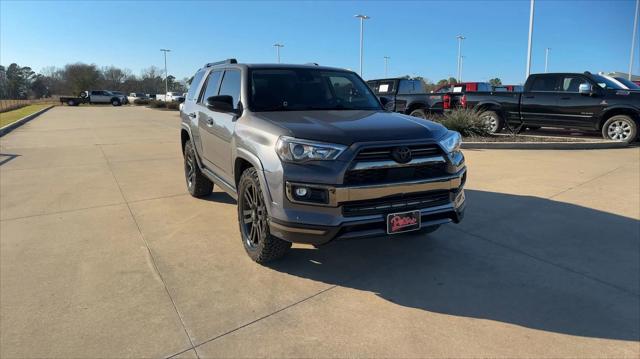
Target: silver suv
{"x":311,"y":156}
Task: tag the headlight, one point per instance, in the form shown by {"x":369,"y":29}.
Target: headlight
{"x":295,"y":150}
{"x":451,"y":142}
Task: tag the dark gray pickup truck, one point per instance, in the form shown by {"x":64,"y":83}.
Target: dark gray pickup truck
{"x":564,"y":100}
{"x":408,"y":96}
{"x":311,"y":157}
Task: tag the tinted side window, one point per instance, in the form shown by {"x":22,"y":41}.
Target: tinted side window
{"x":231,"y":86}
{"x":410,"y":87}
{"x":544,"y":83}
{"x":572,"y":83}
{"x":211,"y":87}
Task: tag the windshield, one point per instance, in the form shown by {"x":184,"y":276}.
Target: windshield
{"x":605,"y":83}
{"x":309,"y":89}
{"x":629,"y":84}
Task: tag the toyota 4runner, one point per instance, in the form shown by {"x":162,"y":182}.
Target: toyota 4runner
{"x":311,"y":156}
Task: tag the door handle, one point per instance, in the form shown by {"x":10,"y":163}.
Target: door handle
{"x":192,"y":115}
{"x":209,"y":121}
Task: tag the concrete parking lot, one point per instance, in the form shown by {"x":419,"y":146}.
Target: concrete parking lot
{"x":104,"y":254}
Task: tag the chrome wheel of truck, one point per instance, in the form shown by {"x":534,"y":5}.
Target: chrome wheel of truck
{"x":620,"y":128}
{"x":492,"y":120}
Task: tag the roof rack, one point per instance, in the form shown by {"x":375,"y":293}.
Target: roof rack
{"x":227,"y":61}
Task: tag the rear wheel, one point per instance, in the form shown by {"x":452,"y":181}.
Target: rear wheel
{"x":253,"y":219}
{"x":116,"y":102}
{"x":420,"y":113}
{"x":71,"y":103}
{"x":197,"y":183}
{"x":620,"y":128}
{"x":492,"y":120}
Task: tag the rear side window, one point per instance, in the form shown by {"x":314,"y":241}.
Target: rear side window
{"x":544,"y":83}
{"x":191,"y":95}
{"x":231,"y":86}
{"x":408,"y":87}
{"x":211,"y":87}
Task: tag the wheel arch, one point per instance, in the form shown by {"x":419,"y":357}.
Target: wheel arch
{"x":416,"y":106}
{"x":619,"y":110}
{"x":245,"y":159}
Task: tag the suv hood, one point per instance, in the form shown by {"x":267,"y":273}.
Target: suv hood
{"x":348,"y":127}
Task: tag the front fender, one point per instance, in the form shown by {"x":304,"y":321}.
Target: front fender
{"x":255,"y":162}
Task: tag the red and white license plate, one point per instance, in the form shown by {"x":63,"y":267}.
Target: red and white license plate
{"x":403,"y":222}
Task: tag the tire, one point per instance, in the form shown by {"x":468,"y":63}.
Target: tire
{"x":116,"y":102}
{"x":71,"y":103}
{"x":253,"y":220}
{"x":620,"y":128}
{"x":493,"y":120}
{"x":419,"y":113}
{"x":197,"y":183}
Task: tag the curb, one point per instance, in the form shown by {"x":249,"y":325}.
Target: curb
{"x":12,"y":126}
{"x":543,"y":145}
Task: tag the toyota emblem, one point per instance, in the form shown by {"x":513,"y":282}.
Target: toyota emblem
{"x":401,"y":154}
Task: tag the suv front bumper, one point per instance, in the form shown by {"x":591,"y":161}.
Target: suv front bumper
{"x":301,"y":230}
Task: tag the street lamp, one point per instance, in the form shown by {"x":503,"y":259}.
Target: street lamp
{"x":461,"y":65}
{"x":546,"y":60}
{"x":278,"y":46}
{"x":633,"y":39}
{"x":386,"y":66}
{"x":166,"y":83}
{"x":530,"y":39}
{"x":458,"y":70}
{"x":362,"y":19}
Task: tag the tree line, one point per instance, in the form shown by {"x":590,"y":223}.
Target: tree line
{"x":21,"y":82}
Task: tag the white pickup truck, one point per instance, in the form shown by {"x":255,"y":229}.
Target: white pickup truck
{"x":170,"y":97}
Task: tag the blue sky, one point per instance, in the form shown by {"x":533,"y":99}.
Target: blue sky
{"x":418,"y":36}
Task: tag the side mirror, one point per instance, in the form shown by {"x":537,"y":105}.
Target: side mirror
{"x":222,"y":103}
{"x":585,"y":89}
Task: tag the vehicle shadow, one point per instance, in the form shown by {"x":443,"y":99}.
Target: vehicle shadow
{"x":6,"y":157}
{"x":522,"y":260}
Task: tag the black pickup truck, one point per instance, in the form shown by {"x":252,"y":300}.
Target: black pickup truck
{"x":581,"y":101}
{"x":406,"y":96}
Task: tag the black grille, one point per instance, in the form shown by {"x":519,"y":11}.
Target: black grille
{"x":398,"y":174}
{"x":384,"y":153}
{"x":396,"y":204}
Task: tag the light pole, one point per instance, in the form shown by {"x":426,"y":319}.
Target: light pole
{"x":362,"y":19}
{"x":166,"y":83}
{"x":386,"y":66}
{"x":546,"y":60}
{"x":633,"y":39}
{"x":278,"y":46}
{"x":460,"y":38}
{"x":530,"y":39}
{"x":461,"y":65}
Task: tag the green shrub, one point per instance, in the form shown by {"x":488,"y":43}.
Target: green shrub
{"x":141,"y":101}
{"x":465,"y":121}
{"x":156,"y":104}
{"x":173,"y":105}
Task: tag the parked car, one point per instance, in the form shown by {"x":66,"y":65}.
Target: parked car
{"x":406,"y":96}
{"x":94,"y":96}
{"x":563,"y":100}
{"x":625,"y":83}
{"x":311,"y":156}
{"x":137,"y":96}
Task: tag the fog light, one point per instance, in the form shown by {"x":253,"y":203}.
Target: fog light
{"x":301,"y":191}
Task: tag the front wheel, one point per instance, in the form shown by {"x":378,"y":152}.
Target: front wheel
{"x":116,"y":102}
{"x":492,"y":120}
{"x":620,"y":128}
{"x":253,"y":219}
